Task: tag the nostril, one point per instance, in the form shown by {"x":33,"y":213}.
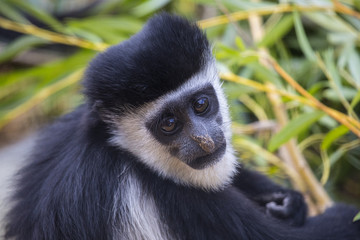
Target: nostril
{"x":205,"y":142}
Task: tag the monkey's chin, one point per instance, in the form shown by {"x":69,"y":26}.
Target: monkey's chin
{"x":208,"y":160}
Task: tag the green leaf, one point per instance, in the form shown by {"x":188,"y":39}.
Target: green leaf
{"x":42,"y":75}
{"x":39,"y":14}
{"x":110,"y":29}
{"x":224,"y":51}
{"x":347,"y":93}
{"x":8,"y":11}
{"x":356,"y":100}
{"x":329,"y":57}
{"x":302,"y":38}
{"x":40,"y":95}
{"x":277,"y":32}
{"x":240,"y":44}
{"x":318,"y":88}
{"x":335,"y":79}
{"x":245,"y":5}
{"x":234,"y":90}
{"x":21,"y":44}
{"x":149,"y":7}
{"x":353,"y":160}
{"x":357,"y":5}
{"x":341,"y":38}
{"x":354,"y":63}
{"x":101,"y":24}
{"x":328,"y":21}
{"x":357,"y":217}
{"x":344,"y":55}
{"x":335,"y":156}
{"x":293,"y":128}
{"x":264,"y":74}
{"x":84,"y":34}
{"x":333,"y":135}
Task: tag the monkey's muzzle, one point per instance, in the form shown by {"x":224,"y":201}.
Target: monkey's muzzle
{"x":205,"y":142}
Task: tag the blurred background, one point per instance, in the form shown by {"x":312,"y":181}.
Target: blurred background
{"x":291,"y":72}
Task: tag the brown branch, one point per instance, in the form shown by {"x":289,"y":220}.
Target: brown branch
{"x":297,"y":161}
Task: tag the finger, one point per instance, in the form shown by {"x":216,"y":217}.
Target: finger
{"x":279,"y":211}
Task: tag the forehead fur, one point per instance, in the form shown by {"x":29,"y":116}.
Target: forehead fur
{"x":158,"y":59}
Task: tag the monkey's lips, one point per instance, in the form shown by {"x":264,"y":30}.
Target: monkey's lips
{"x":209,"y":159}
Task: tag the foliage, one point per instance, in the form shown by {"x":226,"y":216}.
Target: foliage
{"x":295,"y":65}
{"x":357,"y":217}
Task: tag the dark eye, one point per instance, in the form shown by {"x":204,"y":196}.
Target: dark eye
{"x":201,"y":105}
{"x":168,"y":124}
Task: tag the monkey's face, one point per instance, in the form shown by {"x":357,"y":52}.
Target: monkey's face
{"x":191,"y":127}
{"x":183,"y":135}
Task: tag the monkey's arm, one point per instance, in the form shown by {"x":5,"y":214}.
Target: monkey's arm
{"x":275,"y":200}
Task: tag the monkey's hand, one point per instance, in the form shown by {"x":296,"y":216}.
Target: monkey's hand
{"x":287,"y":205}
{"x":278,"y":202}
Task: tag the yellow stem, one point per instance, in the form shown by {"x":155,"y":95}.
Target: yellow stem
{"x":297,"y":161}
{"x":261,"y":87}
{"x":51,"y":36}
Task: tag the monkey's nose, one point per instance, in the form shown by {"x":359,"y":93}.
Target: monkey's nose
{"x":205,"y":142}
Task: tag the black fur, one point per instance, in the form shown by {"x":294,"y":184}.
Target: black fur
{"x":67,"y":189}
{"x":155,"y":61}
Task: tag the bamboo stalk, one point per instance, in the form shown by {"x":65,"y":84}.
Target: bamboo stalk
{"x":299,"y":163}
{"x":290,"y":152}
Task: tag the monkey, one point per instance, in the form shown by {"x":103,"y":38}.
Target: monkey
{"x":148,"y":155}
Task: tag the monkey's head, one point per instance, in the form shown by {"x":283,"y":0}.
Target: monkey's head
{"x":160,"y":93}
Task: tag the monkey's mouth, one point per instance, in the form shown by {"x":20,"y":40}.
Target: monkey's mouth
{"x":209,"y":159}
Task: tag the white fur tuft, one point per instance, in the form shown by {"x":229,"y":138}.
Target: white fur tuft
{"x":136,"y":212}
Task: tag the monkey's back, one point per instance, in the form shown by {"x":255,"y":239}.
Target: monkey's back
{"x":66,"y":180}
